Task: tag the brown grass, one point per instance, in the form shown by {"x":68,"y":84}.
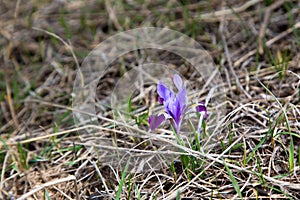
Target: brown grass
{"x":254,"y":43}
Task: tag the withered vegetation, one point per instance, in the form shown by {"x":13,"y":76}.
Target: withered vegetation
{"x":256,"y":46}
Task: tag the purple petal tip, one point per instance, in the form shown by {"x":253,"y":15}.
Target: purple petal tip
{"x":202,"y":109}
{"x":177,"y":81}
{"x":155,"y":121}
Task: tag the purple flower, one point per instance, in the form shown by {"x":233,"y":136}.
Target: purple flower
{"x":175,"y":105}
{"x":202,"y":109}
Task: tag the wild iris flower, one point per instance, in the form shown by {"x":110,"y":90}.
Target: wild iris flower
{"x":175,"y":105}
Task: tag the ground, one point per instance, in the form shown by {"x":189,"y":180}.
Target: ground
{"x":255,"y":154}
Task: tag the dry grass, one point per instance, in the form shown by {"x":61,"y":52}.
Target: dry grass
{"x":256,"y":46}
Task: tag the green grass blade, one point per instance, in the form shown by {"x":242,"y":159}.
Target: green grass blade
{"x":122,"y":180}
{"x":276,"y":99}
{"x":291,"y":154}
{"x":234,"y":181}
{"x":46,"y":195}
{"x":258,"y":146}
{"x":289,"y":133}
{"x":137,"y":191}
{"x":178,"y":195}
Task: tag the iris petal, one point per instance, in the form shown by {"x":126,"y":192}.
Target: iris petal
{"x":160,"y":100}
{"x":181,"y":97}
{"x":155,"y":121}
{"x":164,"y":93}
{"x":202,"y":109}
{"x":177,"y":81}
